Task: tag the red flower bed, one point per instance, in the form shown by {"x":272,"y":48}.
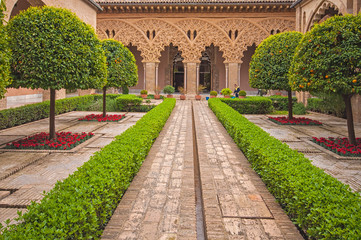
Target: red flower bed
{"x":63,"y":141}
{"x":294,"y":121}
{"x":100,"y":118}
{"x":341,"y":146}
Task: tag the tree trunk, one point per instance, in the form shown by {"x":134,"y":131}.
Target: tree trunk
{"x":290,"y":105}
{"x":104,"y":101}
{"x":350,"y":126}
{"x":52,"y":114}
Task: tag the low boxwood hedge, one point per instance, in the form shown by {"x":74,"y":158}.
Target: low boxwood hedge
{"x":319,"y":204}
{"x":128,"y":102}
{"x":250,"y":105}
{"x":32,"y":112}
{"x":81,"y":205}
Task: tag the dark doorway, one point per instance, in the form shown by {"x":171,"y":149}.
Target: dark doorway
{"x":205,"y":74}
{"x":178,"y":71}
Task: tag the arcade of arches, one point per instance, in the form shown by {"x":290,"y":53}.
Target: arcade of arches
{"x":189,"y":52}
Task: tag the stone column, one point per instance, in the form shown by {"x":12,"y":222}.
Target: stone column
{"x":60,"y":94}
{"x":197,"y":72}
{"x":227,"y":75}
{"x":356,"y":108}
{"x":233,"y":73}
{"x":185,"y":76}
{"x":156,"y":74}
{"x":191,"y":75}
{"x":150,"y":76}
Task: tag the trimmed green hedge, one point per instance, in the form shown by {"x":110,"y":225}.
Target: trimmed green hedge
{"x":318,"y":203}
{"x":329,"y":105}
{"x":128,"y":102}
{"x":250,"y":105}
{"x":280,"y":103}
{"x":32,"y":112}
{"x":81,"y":205}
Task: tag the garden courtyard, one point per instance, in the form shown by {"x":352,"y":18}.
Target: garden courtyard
{"x":195,"y":183}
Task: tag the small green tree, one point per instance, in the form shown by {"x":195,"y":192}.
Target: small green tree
{"x":4,"y":53}
{"x":53,"y":49}
{"x":328,"y":60}
{"x":121,"y":65}
{"x":271,"y":62}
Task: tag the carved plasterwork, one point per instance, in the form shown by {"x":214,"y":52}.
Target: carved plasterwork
{"x":191,"y":36}
{"x":320,"y":12}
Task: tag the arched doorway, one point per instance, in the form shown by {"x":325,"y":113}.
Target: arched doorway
{"x":178,"y":71}
{"x":205,"y":73}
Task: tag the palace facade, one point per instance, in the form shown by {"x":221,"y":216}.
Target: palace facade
{"x":188,"y":43}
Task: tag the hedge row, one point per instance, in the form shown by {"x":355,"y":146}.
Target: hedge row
{"x":32,"y":112}
{"x":81,"y":205}
{"x":334,"y":106}
{"x":250,"y":105}
{"x":318,"y":203}
{"x":280,"y":103}
{"x":128,"y":102}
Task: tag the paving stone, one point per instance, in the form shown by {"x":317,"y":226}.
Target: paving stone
{"x":242,"y":199}
{"x":30,"y":174}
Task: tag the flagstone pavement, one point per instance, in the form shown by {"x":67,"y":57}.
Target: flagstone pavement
{"x":161,"y":202}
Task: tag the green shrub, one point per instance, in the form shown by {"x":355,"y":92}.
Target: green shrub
{"x":226,"y":92}
{"x":318,"y":203}
{"x":5,"y":53}
{"x":80,"y":206}
{"x":168,"y":89}
{"x":327,"y":103}
{"x":299,"y":109}
{"x":32,"y":112}
{"x":144,"y":91}
{"x":242,"y":93}
{"x":128,"y":102}
{"x":280,"y":103}
{"x":252,"y":105}
{"x":213,"y":93}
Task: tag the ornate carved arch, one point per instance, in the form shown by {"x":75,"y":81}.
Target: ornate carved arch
{"x":201,"y":33}
{"x":320,"y":11}
{"x":232,"y":36}
{"x":242,"y":33}
{"x":161,"y":34}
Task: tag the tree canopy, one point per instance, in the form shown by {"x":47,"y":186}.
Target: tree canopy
{"x":4,"y":53}
{"x":328,"y":60}
{"x":121,"y":65}
{"x":52,"y":48}
{"x":271,"y":62}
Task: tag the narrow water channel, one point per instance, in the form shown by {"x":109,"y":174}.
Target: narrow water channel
{"x":200,"y":220}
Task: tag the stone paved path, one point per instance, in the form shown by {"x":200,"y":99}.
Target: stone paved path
{"x":344,"y":169}
{"x":25,"y":175}
{"x":160,"y":202}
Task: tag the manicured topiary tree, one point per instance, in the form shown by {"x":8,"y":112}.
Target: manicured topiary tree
{"x":328,"y":60}
{"x":53,"y":49}
{"x":121,"y":65}
{"x":4,"y":53}
{"x":271,"y":62}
